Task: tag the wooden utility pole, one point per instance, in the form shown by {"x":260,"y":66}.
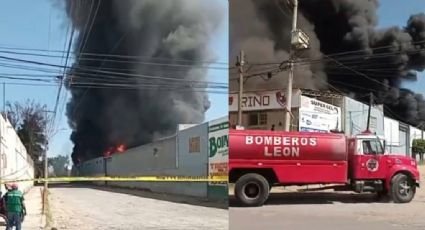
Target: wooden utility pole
{"x":240,"y":63}
{"x":46,"y":168}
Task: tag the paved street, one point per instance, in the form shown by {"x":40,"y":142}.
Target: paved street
{"x":329,"y":210}
{"x":92,"y":208}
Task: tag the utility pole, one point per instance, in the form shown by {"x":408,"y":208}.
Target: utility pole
{"x":299,"y":40}
{"x":240,"y":63}
{"x":287,"y":123}
{"x":46,"y":175}
{"x":45,"y":167}
{"x":369,"y":111}
{"x":2,"y":153}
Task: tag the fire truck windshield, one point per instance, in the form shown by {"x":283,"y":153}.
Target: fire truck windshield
{"x":372,"y":147}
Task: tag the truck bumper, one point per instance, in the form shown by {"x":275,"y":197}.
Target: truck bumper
{"x":417,"y":183}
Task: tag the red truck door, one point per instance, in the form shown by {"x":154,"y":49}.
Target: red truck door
{"x":370,"y":161}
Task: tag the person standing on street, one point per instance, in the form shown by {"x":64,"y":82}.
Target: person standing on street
{"x":13,"y":202}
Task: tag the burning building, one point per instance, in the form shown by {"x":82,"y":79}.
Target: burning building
{"x":348,"y":53}
{"x":134,"y":77}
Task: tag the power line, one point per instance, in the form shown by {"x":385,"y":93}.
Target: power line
{"x":176,"y":65}
{"x":159,"y":88}
{"x":51,"y":73}
{"x":355,"y":71}
{"x":366,"y":52}
{"x":122,"y":83}
{"x":360,"y":53}
{"x":104,"y":72}
{"x":112,"y":79}
{"x":55,"y":109}
{"x":85,"y":56}
{"x":81,"y":48}
{"x":91,"y":26}
{"x":25,"y":79}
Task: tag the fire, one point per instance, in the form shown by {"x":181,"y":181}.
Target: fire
{"x":121,"y":148}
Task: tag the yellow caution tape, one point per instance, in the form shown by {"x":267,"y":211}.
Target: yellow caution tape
{"x":127,"y":179}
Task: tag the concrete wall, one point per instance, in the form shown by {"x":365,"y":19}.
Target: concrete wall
{"x":93,"y":167}
{"x":146,"y":159}
{"x":15,"y":161}
{"x":397,"y":135}
{"x":169,"y":156}
{"x":403,"y":147}
{"x":355,"y":118}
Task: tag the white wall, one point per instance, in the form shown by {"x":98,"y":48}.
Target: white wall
{"x":166,"y":157}
{"x":356,"y":115}
{"x":391,"y":128}
{"x":15,"y":161}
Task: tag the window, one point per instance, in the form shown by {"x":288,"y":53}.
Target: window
{"x":253,"y":119}
{"x":257,"y":119}
{"x":195,"y":145}
{"x":263,"y":118}
{"x":372,"y":147}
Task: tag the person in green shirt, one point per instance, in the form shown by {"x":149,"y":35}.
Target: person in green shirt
{"x":15,"y":208}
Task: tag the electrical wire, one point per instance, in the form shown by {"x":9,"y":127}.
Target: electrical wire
{"x":102,"y":55}
{"x":143,"y":63}
{"x":103,"y":71}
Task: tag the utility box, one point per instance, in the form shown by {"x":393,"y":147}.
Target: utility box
{"x":300,"y":40}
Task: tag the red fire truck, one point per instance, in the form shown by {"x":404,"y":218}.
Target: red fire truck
{"x":259,"y":160}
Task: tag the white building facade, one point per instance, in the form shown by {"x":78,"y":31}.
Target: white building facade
{"x":15,"y":162}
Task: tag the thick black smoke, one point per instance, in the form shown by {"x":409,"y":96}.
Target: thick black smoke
{"x":147,"y":29}
{"x":387,"y":56}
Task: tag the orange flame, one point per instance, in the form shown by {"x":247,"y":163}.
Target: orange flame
{"x":121,"y":148}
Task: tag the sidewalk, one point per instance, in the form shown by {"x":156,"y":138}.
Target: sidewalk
{"x":34,"y":219}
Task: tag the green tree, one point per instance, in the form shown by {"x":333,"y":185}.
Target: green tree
{"x":60,"y":165}
{"x":418,"y":147}
{"x":29,"y":121}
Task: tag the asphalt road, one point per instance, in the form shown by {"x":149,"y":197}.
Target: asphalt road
{"x":329,"y":210}
{"x":79,"y":207}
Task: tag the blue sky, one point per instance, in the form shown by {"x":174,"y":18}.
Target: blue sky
{"x":396,"y":12}
{"x":25,"y":23}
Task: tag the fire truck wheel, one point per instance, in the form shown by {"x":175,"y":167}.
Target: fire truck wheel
{"x":402,"y":188}
{"x":252,"y":189}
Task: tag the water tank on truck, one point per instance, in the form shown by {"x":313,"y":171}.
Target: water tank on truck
{"x":259,"y":160}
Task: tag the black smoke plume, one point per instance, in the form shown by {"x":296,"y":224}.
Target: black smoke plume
{"x":148,"y":31}
{"x":382,"y":58}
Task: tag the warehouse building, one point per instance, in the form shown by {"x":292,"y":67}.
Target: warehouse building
{"x":194,"y":150}
{"x":311,"y":111}
{"x":318,"y":111}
